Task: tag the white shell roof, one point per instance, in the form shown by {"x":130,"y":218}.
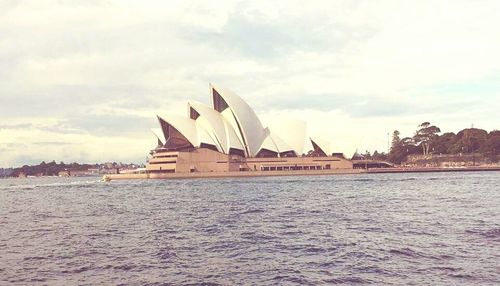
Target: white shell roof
{"x":204,"y":125}
{"x":194,"y":133}
{"x":280,"y":144}
{"x":274,"y":143}
{"x":232,"y":125}
{"x":251,"y":128}
{"x":291,"y":131}
{"x":232,"y":138}
{"x":213,"y":125}
{"x":218,"y":127}
{"x":238,"y":127}
{"x":159,"y":134}
{"x":268,"y":144}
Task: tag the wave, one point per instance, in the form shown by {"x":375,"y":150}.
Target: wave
{"x":493,"y":233}
{"x":349,"y":280}
{"x":405,"y":252}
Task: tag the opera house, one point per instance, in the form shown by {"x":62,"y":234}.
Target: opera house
{"x":228,"y":138}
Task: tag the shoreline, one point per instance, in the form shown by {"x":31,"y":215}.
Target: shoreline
{"x":242,"y":174}
{"x":235,"y":174}
{"x":431,"y":170}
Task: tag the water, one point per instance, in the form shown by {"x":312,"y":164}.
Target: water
{"x":438,"y":229}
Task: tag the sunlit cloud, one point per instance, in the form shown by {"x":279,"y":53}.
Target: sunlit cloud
{"x":83,"y":80}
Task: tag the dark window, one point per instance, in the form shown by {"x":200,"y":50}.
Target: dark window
{"x":208,"y":146}
{"x":162,"y":162}
{"x":166,"y":156}
{"x":162,"y":171}
{"x":238,"y":152}
{"x":264,"y":153}
{"x":288,"y":154}
{"x":219,"y":103}
{"x":193,"y":114}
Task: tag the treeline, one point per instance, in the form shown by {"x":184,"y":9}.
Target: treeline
{"x":378,"y":156}
{"x":47,"y":169}
{"x":427,"y":141}
{"x":53,"y":168}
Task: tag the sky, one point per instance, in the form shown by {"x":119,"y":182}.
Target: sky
{"x":83,"y":80}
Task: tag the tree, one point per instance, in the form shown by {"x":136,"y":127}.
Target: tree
{"x":425,"y":135}
{"x":491,"y":147}
{"x":379,"y":156}
{"x":367,"y":155}
{"x":469,"y":140}
{"x":396,"y":141}
{"x":401,"y":150}
{"x":442,"y":144}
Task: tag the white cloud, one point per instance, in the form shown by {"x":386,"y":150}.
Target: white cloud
{"x":354,"y":70}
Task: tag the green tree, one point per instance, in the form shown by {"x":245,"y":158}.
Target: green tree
{"x":442,"y":144}
{"x":425,"y":135}
{"x":367,"y":155}
{"x":491,"y":147}
{"x":469,"y":140}
{"x":401,"y":149}
{"x":379,"y":156}
{"x":396,"y":141}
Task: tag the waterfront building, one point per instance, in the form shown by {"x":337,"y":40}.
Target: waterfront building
{"x":229,"y":137}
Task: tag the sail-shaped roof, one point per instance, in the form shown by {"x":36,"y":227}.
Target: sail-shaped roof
{"x":159,"y":135}
{"x":281,"y":145}
{"x":291,"y":131}
{"x":190,"y":130}
{"x":321,"y":145}
{"x":216,"y":125}
{"x":274,"y":143}
{"x":232,"y":127}
{"x":245,"y":122}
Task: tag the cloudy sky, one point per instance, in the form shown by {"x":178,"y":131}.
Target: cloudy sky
{"x":83,"y":80}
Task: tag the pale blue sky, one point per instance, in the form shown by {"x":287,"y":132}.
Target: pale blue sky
{"x":83,"y":80}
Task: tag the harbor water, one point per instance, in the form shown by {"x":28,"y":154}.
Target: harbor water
{"x":381,"y":229}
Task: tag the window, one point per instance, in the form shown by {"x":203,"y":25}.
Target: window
{"x":193,"y":114}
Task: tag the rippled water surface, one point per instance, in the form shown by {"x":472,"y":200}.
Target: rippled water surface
{"x":437,"y":229}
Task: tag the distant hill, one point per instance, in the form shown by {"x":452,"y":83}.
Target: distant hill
{"x":56,"y":169}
